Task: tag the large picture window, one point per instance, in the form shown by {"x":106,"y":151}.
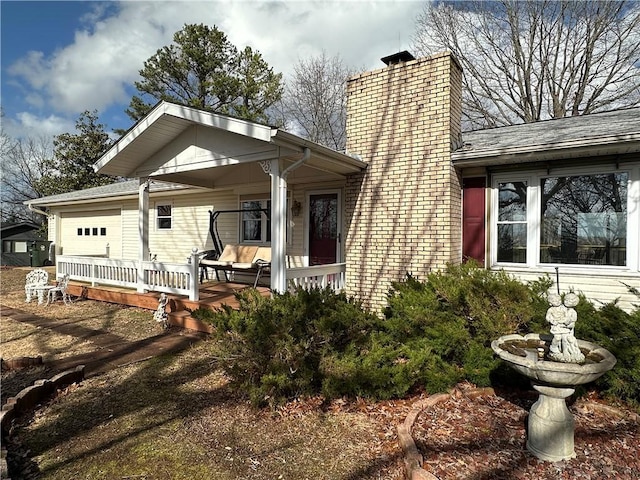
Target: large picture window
{"x":575,"y":219}
{"x":584,"y":219}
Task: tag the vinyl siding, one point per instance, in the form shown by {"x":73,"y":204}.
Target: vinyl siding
{"x":599,"y":288}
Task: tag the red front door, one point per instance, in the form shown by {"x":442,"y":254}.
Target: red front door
{"x":473,"y":219}
{"x":323,"y":228}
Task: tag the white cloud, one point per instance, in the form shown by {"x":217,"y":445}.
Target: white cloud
{"x":26,"y":124}
{"x":103,"y":61}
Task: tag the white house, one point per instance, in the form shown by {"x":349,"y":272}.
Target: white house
{"x":412,"y":194}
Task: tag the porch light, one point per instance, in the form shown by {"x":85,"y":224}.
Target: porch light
{"x":296,"y":208}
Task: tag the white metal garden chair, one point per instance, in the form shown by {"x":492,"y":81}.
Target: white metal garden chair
{"x":34,"y":283}
{"x":61,"y":288}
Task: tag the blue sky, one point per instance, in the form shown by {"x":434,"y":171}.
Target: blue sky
{"x":59,"y":59}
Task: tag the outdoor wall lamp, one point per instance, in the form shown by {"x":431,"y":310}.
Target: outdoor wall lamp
{"x":296,"y":208}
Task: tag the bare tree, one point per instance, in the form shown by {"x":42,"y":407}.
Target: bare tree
{"x":315,"y":100}
{"x":24,"y":163}
{"x":529,"y":60}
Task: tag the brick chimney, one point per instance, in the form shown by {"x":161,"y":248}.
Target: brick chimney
{"x":403,"y":214}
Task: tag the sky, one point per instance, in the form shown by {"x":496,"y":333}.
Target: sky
{"x":59,"y":59}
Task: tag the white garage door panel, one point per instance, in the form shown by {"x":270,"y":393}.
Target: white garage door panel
{"x":97,"y":229}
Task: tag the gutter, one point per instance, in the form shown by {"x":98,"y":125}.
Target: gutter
{"x":629,"y":143}
{"x":305,"y":156}
{"x":37,"y":210}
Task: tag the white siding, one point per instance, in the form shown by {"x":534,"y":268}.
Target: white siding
{"x":189,"y":223}
{"x":599,"y":288}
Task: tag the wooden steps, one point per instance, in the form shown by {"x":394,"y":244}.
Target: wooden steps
{"x":183,"y":319}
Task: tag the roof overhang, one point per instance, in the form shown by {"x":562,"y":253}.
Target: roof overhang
{"x":193,"y":147}
{"x":611,"y":145}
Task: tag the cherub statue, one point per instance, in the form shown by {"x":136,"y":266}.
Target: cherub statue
{"x":562,"y":317}
{"x":160,"y":315}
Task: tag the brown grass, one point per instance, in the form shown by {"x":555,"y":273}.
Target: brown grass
{"x":177,"y":416}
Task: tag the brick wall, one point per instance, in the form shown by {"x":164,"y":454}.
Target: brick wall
{"x":403,"y":214}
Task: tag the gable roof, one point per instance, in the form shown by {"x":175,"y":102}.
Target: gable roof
{"x":145,"y":149}
{"x":20,"y":231}
{"x":609,"y":133}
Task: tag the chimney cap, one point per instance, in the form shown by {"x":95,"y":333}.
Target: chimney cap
{"x":403,"y":56}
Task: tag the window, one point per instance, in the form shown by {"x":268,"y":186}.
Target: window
{"x":80,"y":232}
{"x":103,"y":231}
{"x":512,"y":222}
{"x":584,"y":219}
{"x":571,"y":218}
{"x":255,"y":225}
{"x":87,"y":231}
{"x":95,"y":231}
{"x":163,"y":213}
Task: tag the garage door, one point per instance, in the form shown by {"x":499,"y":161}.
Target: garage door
{"x":88,"y":233}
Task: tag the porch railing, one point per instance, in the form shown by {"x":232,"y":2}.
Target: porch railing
{"x":176,"y":278}
{"x":318,"y":276}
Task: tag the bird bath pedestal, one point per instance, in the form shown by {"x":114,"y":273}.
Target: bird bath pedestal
{"x":550,"y":434}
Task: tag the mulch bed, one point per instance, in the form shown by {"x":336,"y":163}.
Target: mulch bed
{"x":484,"y":438}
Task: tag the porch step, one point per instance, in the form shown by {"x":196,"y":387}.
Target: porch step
{"x":183,"y":319}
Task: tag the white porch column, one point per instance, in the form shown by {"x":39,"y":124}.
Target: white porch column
{"x":278,"y":230}
{"x":143,"y":229}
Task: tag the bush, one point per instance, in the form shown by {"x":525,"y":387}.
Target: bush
{"x":274,"y":347}
{"x":459,"y":311}
{"x":619,"y":332}
{"x":434,"y":334}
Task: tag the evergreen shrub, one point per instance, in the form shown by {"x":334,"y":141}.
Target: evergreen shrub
{"x":459,"y":311}
{"x":619,"y":332}
{"x":434,"y":334}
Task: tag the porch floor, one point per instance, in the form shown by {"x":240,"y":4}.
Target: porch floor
{"x":213,"y":294}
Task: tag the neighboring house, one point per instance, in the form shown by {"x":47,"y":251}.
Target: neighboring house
{"x":412,"y":194}
{"x":23,"y":245}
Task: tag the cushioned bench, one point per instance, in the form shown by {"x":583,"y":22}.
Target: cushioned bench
{"x":247,"y":259}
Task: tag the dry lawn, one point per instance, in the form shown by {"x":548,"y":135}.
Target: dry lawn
{"x":177,"y":416}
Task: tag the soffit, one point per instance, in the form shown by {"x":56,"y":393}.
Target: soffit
{"x":150,"y":149}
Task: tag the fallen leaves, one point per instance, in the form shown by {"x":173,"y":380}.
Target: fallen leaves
{"x":485,"y":437}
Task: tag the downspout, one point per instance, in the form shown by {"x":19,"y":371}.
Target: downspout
{"x":37,"y":210}
{"x":305,"y":156}
{"x":281,"y":275}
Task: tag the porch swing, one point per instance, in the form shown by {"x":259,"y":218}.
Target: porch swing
{"x":234,"y":258}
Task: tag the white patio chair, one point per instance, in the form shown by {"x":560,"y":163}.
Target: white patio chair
{"x":61,"y":289}
{"x":35,"y":280}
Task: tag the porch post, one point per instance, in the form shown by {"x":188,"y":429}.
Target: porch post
{"x":143,"y":230}
{"x":278,"y":232}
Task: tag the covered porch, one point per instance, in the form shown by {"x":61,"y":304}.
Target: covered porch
{"x":186,"y":146}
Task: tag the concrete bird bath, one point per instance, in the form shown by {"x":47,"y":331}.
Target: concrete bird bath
{"x":555,"y":364}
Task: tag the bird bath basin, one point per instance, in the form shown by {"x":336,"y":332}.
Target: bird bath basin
{"x":550,"y":435}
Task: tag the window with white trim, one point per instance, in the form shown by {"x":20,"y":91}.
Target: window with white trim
{"x":255,"y":224}
{"x":164,"y":218}
{"x":568,"y":217}
{"x":512,"y":222}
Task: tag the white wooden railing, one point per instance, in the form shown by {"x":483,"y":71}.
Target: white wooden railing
{"x":318,"y":276}
{"x":176,"y":278}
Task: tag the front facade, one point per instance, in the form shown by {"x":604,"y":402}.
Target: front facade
{"x":412,"y":193}
{"x":559,"y":197}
